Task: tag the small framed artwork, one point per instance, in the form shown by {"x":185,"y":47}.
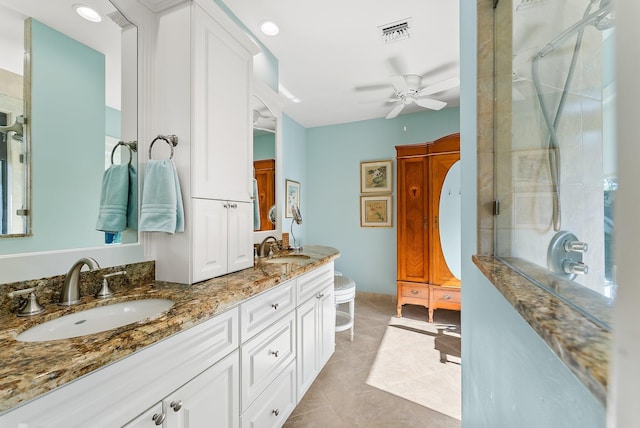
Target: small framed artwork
{"x":375,"y":176}
{"x":292,"y":192}
{"x":375,"y":211}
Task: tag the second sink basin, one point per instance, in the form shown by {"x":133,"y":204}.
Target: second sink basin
{"x":96,"y":320}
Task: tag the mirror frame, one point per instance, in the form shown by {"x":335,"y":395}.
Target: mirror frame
{"x":273,"y":102}
{"x":26,"y":266}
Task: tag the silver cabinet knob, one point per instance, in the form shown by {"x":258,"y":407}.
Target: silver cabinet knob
{"x":274,"y":353}
{"x":275,"y":306}
{"x":176,"y":405}
{"x":158,"y":418}
{"x":276,"y":412}
{"x":575,"y":268}
{"x":414,"y":291}
{"x":319,"y":295}
{"x":447,"y":296}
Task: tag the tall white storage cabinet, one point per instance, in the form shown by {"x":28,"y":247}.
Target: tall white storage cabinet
{"x":204,"y":66}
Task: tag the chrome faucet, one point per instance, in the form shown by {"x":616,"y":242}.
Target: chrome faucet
{"x":70,"y":294}
{"x":261,"y":247}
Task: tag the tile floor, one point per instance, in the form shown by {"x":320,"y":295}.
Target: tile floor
{"x":398,"y":372}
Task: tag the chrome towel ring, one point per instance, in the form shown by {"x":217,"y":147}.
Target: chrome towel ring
{"x":131,"y":145}
{"x":171,"y":140}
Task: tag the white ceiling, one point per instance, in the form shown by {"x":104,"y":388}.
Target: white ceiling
{"x":332,"y":56}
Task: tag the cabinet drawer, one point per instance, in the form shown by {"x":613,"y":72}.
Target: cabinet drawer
{"x":265,"y":356}
{"x":264,"y":309}
{"x":275,"y":404}
{"x":312,"y":282}
{"x":415,"y":291}
{"x":446,"y":295}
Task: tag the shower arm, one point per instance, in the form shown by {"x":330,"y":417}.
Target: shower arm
{"x":587,"y":19}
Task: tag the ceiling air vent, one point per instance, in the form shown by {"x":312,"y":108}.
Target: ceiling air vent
{"x":395,"y":31}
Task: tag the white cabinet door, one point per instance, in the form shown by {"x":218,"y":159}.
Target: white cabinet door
{"x":222,"y":70}
{"x":326,"y":325}
{"x":240,"y":236}
{"x":307,"y":345}
{"x":152,"y":418}
{"x":209,"y":400}
{"x":210,"y":238}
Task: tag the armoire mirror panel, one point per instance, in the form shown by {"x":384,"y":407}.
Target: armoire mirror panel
{"x":74,"y":107}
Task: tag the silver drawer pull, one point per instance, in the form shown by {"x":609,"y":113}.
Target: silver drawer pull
{"x":176,"y":405}
{"x":447,"y":296}
{"x":158,"y":418}
{"x":276,"y":412}
{"x":275,"y":353}
{"x":320,"y":296}
{"x":275,"y":306}
{"x":414,"y":291}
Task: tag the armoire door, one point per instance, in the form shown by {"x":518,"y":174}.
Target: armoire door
{"x":439,"y":166}
{"x":413,"y":221}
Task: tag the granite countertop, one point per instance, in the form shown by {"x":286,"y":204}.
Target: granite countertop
{"x":31,"y":369}
{"x":581,"y":342}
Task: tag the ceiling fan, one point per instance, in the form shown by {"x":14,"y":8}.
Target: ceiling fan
{"x":408,"y":91}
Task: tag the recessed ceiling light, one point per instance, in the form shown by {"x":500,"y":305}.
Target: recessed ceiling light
{"x":269,"y":28}
{"x":87,"y":13}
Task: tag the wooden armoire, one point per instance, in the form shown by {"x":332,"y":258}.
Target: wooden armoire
{"x":265,"y":175}
{"x":424,"y":277}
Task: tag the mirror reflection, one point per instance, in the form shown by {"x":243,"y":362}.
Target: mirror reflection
{"x":264,"y":166}
{"x":75,"y":110}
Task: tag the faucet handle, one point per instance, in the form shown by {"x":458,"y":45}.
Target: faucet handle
{"x":28,"y":306}
{"x":106,"y":291}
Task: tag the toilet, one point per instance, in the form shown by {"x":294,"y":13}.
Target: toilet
{"x":344,"y":292}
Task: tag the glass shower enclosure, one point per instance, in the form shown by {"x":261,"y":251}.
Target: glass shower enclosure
{"x":555,"y":144}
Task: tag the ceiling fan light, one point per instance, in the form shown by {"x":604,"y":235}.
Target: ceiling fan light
{"x":269,"y":28}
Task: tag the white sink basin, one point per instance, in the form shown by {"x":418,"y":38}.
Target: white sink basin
{"x":96,"y":320}
{"x":288,"y":259}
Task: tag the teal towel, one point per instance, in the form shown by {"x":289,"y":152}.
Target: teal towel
{"x":132,"y":206}
{"x":162,"y":209}
{"x":256,"y":206}
{"x":114,"y":198}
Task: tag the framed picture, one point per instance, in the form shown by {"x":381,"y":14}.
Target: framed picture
{"x":292,"y":192}
{"x":375,"y":176}
{"x":375,"y":211}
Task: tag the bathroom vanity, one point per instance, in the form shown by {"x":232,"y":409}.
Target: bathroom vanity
{"x":238,"y":350}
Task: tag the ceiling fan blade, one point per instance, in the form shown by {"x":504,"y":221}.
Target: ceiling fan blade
{"x":399,"y":83}
{"x":395,"y":111}
{"x":430,"y":104}
{"x":439,"y":87}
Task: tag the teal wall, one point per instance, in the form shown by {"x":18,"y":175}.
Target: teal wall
{"x":510,"y":377}
{"x":332,"y":191}
{"x":113,"y":122}
{"x":67,"y":136}
{"x":264,"y":147}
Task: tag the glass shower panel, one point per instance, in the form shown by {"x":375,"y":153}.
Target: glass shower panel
{"x":555,"y":140}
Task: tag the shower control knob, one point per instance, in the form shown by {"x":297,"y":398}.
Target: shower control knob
{"x":577,"y":246}
{"x":575,"y":268}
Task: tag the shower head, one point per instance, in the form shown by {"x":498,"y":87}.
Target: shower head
{"x":604,"y":22}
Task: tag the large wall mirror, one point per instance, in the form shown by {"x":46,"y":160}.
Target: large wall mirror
{"x":267,"y":161}
{"x":75,"y":82}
